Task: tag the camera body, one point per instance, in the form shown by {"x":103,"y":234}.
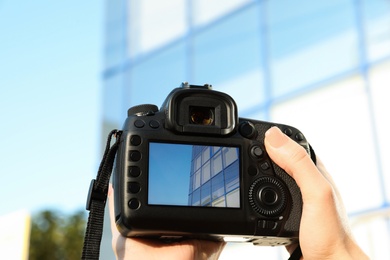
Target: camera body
{"x":193,"y":169}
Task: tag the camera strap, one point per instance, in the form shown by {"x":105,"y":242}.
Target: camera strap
{"x":297,"y":254}
{"x":96,"y":200}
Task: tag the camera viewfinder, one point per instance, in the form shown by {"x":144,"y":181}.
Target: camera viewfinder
{"x":202,"y":115}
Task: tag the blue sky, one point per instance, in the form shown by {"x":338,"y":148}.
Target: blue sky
{"x":169,"y":173}
{"x":50,"y":96}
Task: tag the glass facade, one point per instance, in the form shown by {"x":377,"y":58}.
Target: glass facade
{"x":321,"y":66}
{"x":215,"y":180}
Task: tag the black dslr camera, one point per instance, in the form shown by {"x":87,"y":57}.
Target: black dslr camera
{"x":193,"y":169}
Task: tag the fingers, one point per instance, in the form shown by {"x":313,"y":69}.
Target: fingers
{"x":324,"y":230}
{"x":294,"y":159}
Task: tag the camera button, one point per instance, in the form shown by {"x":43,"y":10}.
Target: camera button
{"x":299,"y":137}
{"x":139,"y":123}
{"x":154,"y":124}
{"x":287,"y":131}
{"x":247,"y":129}
{"x":133,"y":187}
{"x":257,"y":152}
{"x":265,"y":166}
{"x":135,"y":140}
{"x":135,"y":156}
{"x":134,"y":204}
{"x":134,"y":171}
{"x":252,"y":170}
{"x":267,"y":224}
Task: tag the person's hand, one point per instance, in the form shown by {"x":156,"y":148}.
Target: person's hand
{"x":324,"y":232}
{"x":148,"y":249}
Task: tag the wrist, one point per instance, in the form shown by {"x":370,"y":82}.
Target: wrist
{"x":351,"y":251}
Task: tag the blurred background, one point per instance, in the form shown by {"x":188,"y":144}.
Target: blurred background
{"x":70,"y":70}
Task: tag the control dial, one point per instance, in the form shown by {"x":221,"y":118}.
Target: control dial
{"x":268,"y":196}
{"x":247,"y":130}
{"x":142,"y":110}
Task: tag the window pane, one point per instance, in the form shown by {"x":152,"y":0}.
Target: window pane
{"x":220,"y":202}
{"x":198,"y":162}
{"x":229,"y":155}
{"x":206,"y":154}
{"x":115,"y":51}
{"x":206,"y":194}
{"x":154,"y":23}
{"x":206,"y":11}
{"x":113,"y":110}
{"x":379,"y":82}
{"x":372,"y":234}
{"x":376,"y":22}
{"x":228,"y":55}
{"x":335,"y":112}
{"x":196,"y":181}
{"x":206,"y":172}
{"x":216,"y":166}
{"x":196,"y":198}
{"x":215,"y":149}
{"x":233,"y":199}
{"x":310,"y":41}
{"x":158,"y":75}
{"x":232,"y":177}
{"x":217,"y":186}
{"x":246,"y":89}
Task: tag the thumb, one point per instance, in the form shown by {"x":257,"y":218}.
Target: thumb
{"x":294,"y":159}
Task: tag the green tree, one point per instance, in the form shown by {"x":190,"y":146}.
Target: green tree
{"x":57,"y":237}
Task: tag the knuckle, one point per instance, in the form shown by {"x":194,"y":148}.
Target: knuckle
{"x":297,"y":157}
{"x":325,"y":193}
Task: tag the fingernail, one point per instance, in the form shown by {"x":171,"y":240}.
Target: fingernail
{"x":275,"y":137}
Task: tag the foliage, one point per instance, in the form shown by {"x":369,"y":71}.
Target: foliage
{"x":57,"y":237}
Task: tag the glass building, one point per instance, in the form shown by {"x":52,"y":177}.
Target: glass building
{"x":321,"y":66}
{"x":214,"y":177}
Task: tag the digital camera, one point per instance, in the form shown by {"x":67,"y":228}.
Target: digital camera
{"x":194,"y":169}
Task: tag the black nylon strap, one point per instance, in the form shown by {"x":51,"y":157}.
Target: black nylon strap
{"x":96,"y":200}
{"x":297,"y":254}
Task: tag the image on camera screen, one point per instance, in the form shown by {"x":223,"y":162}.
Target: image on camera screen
{"x":193,"y":175}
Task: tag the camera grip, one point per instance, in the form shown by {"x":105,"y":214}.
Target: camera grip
{"x":293,"y":222}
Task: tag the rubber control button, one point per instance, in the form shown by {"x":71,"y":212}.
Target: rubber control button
{"x":135,"y":140}
{"x":288,"y":131}
{"x":265,"y":166}
{"x":133,"y":171}
{"x":142,"y":110}
{"x":139,"y":123}
{"x":299,"y":137}
{"x":268,"y":196}
{"x":133,"y":187}
{"x":134,"y":204}
{"x":247,"y":129}
{"x":252,"y":170}
{"x":267,"y":224}
{"x":154,"y":124}
{"x":135,"y":156}
{"x":257,"y":152}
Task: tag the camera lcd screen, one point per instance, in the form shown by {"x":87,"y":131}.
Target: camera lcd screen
{"x":194,"y":175}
